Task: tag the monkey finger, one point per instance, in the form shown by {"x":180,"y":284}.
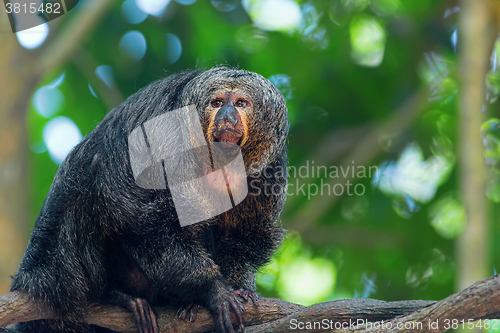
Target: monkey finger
{"x":136,"y":311}
{"x":254,"y":296}
{"x":190,"y":311}
{"x":146,"y":324}
{"x":194,"y":313}
{"x":224,"y":318}
{"x":182,"y":312}
{"x":138,"y":315}
{"x":154,"y":321}
{"x":145,"y":327}
{"x":147,"y":321}
{"x":242,"y":293}
{"x":238,"y":311}
{"x":248,"y":294}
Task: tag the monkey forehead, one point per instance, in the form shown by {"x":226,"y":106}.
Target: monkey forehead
{"x":228,"y":91}
{"x":250,"y":84}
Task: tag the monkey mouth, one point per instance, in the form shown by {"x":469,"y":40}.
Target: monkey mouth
{"x":228,"y":134}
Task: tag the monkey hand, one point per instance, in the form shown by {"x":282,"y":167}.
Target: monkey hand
{"x":221,"y":306}
{"x":144,"y":317}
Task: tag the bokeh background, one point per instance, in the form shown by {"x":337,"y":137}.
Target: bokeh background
{"x":370,"y":85}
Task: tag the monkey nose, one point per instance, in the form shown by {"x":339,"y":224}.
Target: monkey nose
{"x":227,"y":125}
{"x":227,"y":114}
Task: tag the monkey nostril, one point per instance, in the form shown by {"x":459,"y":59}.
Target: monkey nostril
{"x":227,"y":114}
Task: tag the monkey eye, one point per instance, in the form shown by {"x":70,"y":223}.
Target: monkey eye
{"x":240,"y":103}
{"x":217,"y":103}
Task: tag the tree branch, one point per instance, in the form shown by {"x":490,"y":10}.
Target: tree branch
{"x":480,"y":301}
{"x":71,"y":37}
{"x":475,"y":50}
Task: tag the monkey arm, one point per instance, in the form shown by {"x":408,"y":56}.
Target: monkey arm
{"x":179,"y":269}
{"x":171,"y":262}
{"x":59,"y":269}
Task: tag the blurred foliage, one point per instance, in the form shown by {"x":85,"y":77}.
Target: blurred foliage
{"x":342,"y":65}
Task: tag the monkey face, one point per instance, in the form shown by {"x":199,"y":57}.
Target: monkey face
{"x":242,"y":108}
{"x":228,"y":112}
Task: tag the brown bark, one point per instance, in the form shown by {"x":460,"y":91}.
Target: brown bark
{"x":14,"y":91}
{"x":480,"y":301}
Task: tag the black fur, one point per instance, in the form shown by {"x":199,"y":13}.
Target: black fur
{"x":101,"y":238}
